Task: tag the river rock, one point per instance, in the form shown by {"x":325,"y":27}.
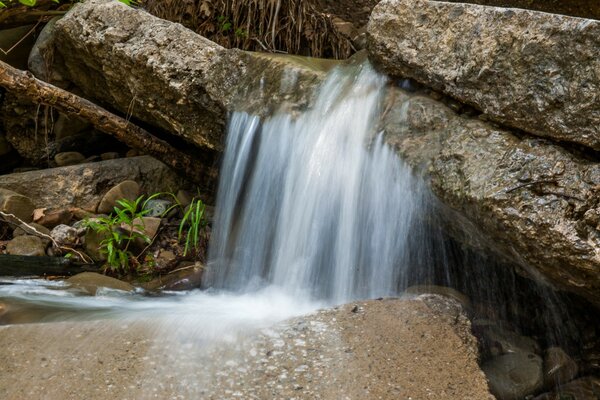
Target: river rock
{"x":186,"y":278}
{"x":92,"y":243}
{"x":84,"y":185}
{"x":126,"y":190}
{"x":157,"y":207}
{"x":559,"y":367}
{"x":498,"y":340}
{"x":26,"y":246}
{"x":111,"y":155}
{"x":26,"y":230}
{"x":65,"y":235}
{"x":91,"y":282}
{"x":198,"y":80}
{"x":66,"y":126}
{"x":41,"y":56}
{"x":521,"y":197}
{"x":16,"y":204}
{"x":514,"y":376}
{"x":530,"y":70}
{"x":68,"y":158}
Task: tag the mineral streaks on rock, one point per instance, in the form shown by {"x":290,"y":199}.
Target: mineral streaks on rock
{"x":530,"y":70}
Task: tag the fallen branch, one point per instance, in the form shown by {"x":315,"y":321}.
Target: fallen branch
{"x":25,"y":84}
{"x":10,"y":218}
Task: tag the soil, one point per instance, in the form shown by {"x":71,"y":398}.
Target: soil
{"x":390,"y":349}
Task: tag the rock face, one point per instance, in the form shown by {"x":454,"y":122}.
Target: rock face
{"x":537,"y":203}
{"x":175,"y":79}
{"x":84,"y":185}
{"x":530,"y":70}
{"x":388,"y":349}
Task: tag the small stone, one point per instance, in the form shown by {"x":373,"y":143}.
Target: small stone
{"x":26,"y":246}
{"x":52,"y":218}
{"x":13,"y":203}
{"x":26,"y":230}
{"x":184,"y":197}
{"x":133,"y":153}
{"x":128,"y":190}
{"x":113,"y":155}
{"x":66,"y":126}
{"x":183,"y":278}
{"x":559,"y":368}
{"x":157,"y":207}
{"x":165,"y":259}
{"x":92,"y":240}
{"x":65,"y":235}
{"x":68,"y":158}
{"x":90,"y":282}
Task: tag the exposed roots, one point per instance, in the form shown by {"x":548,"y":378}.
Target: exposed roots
{"x":290,"y":26}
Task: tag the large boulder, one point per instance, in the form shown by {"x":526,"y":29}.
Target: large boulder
{"x":84,"y":185}
{"x":538,"y":204}
{"x":530,"y":70}
{"x":168,"y":76}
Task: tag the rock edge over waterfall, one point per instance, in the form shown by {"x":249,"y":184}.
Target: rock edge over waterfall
{"x":530,"y":70}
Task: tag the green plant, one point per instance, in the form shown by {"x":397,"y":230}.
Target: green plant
{"x":224,"y":23}
{"x":120,"y":230}
{"x":193,"y":220}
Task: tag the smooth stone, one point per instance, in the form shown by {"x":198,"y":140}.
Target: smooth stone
{"x":91,"y":282}
{"x":25,"y":230}
{"x":514,"y":376}
{"x":184,"y":198}
{"x":26,"y":246}
{"x":52,"y":218}
{"x":13,"y":203}
{"x":68,"y":158}
{"x":185,"y":278}
{"x":40,"y":61}
{"x":66,"y":126}
{"x":129,"y":190}
{"x":503,"y":341}
{"x":559,"y":367}
{"x":92,"y":242}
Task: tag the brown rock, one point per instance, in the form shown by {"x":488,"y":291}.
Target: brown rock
{"x":530,"y":70}
{"x":90,"y":282}
{"x":586,"y":388}
{"x":18,"y":205}
{"x":52,"y":218}
{"x":26,"y":246}
{"x":127,"y":190}
{"x":559,"y":368}
{"x":68,"y":158}
{"x":26,"y":230}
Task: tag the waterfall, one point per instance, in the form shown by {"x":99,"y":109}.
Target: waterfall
{"x":316,"y":204}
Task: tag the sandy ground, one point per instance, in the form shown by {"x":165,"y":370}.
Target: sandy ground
{"x":387,"y":349}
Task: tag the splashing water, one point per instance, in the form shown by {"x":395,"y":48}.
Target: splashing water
{"x":307,"y":205}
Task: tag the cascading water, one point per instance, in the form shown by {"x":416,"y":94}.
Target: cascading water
{"x":307,"y":205}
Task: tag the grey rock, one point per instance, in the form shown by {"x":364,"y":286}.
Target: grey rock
{"x":499,"y":340}
{"x":16,"y":204}
{"x":514,"y":376}
{"x":186,"y":278}
{"x":559,"y":367}
{"x":91,"y":282}
{"x":523,"y":198}
{"x":65,"y":235}
{"x":26,"y":230}
{"x":84,"y":185}
{"x":41,"y":57}
{"x":198,"y":80}
{"x":157,"y":207}
{"x":26,"y":246}
{"x":531,"y":70}
{"x":68,"y":158}
{"x":66,"y":126}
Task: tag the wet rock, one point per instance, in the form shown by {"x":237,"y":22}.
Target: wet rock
{"x":26,"y":246}
{"x":488,"y":57}
{"x":68,"y":158}
{"x":83,"y":186}
{"x":514,"y":376}
{"x":186,"y":278}
{"x":91,"y":282}
{"x":16,"y":204}
{"x":498,"y":340}
{"x":476,"y":170}
{"x":587,"y":388}
{"x":127,"y":190}
{"x":65,"y":235}
{"x":442,"y":291}
{"x":559,"y":367}
{"x":157,"y":207}
{"x":198,"y":80}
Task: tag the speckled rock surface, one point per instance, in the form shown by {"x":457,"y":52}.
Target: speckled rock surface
{"x":535,"y":202}
{"x":84,"y":185}
{"x":168,"y":76}
{"x":391,"y":349}
{"x":530,"y":70}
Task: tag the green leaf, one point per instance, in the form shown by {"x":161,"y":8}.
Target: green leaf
{"x":2,"y":5}
{"x":28,"y":3}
